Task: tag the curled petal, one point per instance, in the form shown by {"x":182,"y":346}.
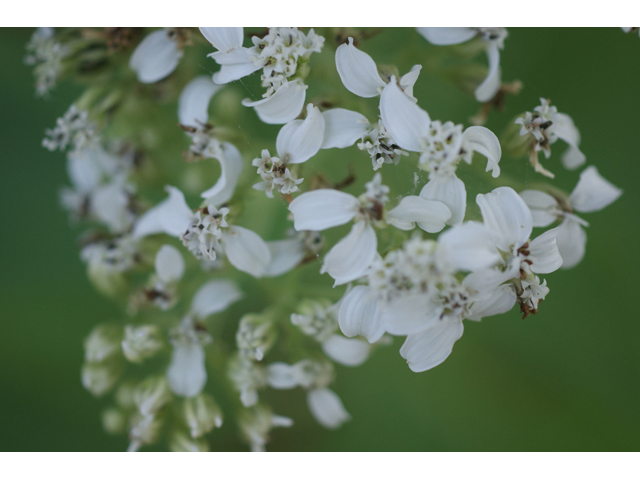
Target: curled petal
{"x":358,"y":71}
{"x":447,"y":35}
{"x":490,"y":86}
{"x":326,"y":407}
{"x":544,"y":253}
{"x":449,"y":190}
{"x":194,"y":99}
{"x":156,"y":57}
{"x":408,"y":80}
{"x":593,"y":192}
{"x":572,"y":241}
{"x":350,"y":352}
{"x":223,"y":38}
{"x":431,"y":347}
{"x":430,"y":215}
{"x":469,"y":246}
{"x":231,"y":168}
{"x":342,"y":128}
{"x":170,"y":216}
{"x":213,"y":297}
{"x":321,"y":209}
{"x":281,"y":107}
{"x":359,"y":315}
{"x":542,"y":206}
{"x":506,"y":216}
{"x":169,"y":264}
{"x":352,"y":256}
{"x":285,"y":255}
{"x":300,"y":140}
{"x":187,"y":374}
{"x":485,"y":142}
{"x":246,"y":250}
{"x":407,"y":123}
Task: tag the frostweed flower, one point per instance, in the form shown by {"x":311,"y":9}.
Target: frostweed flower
{"x":46,"y":55}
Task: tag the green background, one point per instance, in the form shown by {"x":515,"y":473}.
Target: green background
{"x":565,"y":379}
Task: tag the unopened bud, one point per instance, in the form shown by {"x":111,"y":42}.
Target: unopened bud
{"x":114,"y":421}
{"x":255,"y":336}
{"x":103,"y":342}
{"x":202,"y":414}
{"x":141,"y":342}
{"x":100,"y":378}
{"x":151,"y":395}
{"x":182,"y":442}
{"x":145,"y":430}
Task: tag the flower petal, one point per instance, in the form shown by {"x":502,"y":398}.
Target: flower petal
{"x":300,"y":140}
{"x":281,"y":107}
{"x":350,"y":352}
{"x":342,"y":127}
{"x":231,"y":168}
{"x":449,"y":190}
{"x":593,"y":192}
{"x":213,"y":297}
{"x":499,"y":300}
{"x":408,"y":80}
{"x":542,"y":206}
{"x":572,"y":241}
{"x":407,"y":123}
{"x":358,"y":71}
{"x":193,"y":103}
{"x":431,"y":347}
{"x":352,"y":256}
{"x":490,"y":86}
{"x":246,"y":250}
{"x":485,"y":142}
{"x":282,"y":376}
{"x":409,"y":314}
{"x":187,"y":374}
{"x":285,"y":255}
{"x":506,"y":216}
{"x":359,"y":315}
{"x":469,"y":246}
{"x":321,"y":209}
{"x":326,"y":407}
{"x":170,"y":216}
{"x":430,"y":215}
{"x":232,"y":68}
{"x":169,"y":264}
{"x":447,"y":35}
{"x":223,"y":38}
{"x":155,"y":57}
{"x":544,"y":252}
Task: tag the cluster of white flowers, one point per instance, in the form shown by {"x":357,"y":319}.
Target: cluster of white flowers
{"x":389,"y":277}
{"x":46,"y":55}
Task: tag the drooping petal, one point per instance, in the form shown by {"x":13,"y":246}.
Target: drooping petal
{"x":223,"y":38}
{"x":350,"y":352}
{"x":281,"y":107}
{"x":282,"y":376}
{"x":350,"y":258}
{"x":469,"y":246}
{"x":408,"y":80}
{"x":169,"y":264}
{"x":542,"y":206}
{"x":321,"y":209}
{"x":500,"y":300}
{"x":156,"y":57}
{"x":358,"y":71}
{"x":213,"y":297}
{"x":485,"y":142}
{"x":231,"y":168}
{"x":566,"y":130}
{"x":359,"y":315}
{"x":407,"y":123}
{"x":431,"y":347}
{"x":342,"y":127}
{"x":447,"y":35}
{"x":326,"y":407}
{"x":193,"y":103}
{"x":430,"y":215}
{"x":187,"y":374}
{"x":490,"y":86}
{"x":544,"y":253}
{"x":449,"y":190}
{"x":593,"y":193}
{"x":572,"y":158}
{"x":572,"y":242}
{"x":246,"y":250}
{"x":171,"y":216}
{"x":300,"y":140}
{"x":285,"y":255}
{"x":506,"y":216}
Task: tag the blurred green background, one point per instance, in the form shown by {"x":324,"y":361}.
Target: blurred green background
{"x":565,"y":379}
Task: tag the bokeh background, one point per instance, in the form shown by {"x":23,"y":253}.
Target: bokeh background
{"x":565,"y":379}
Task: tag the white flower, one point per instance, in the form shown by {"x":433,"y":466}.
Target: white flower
{"x":326,"y":407}
{"x":141,"y":342}
{"x":156,"y":57}
{"x":494,"y":41}
{"x":47,"y":55}
{"x":73,"y":128}
{"x":592,"y":193}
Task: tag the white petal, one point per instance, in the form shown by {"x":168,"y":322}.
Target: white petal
{"x":572,"y":158}
{"x":408,"y":80}
{"x":155,"y":57}
{"x":282,"y":376}
{"x":342,"y":128}
{"x":246,"y":250}
{"x":430,"y":215}
{"x":431,"y":347}
{"x":299,"y":140}
{"x":231,"y":168}
{"x":84,"y":170}
{"x":544,"y":253}
{"x":187,"y":374}
{"x":593,"y":192}
{"x":321,"y":209}
{"x":482,"y":283}
{"x":109,"y":203}
{"x":572,"y":241}
{"x":326,"y":407}
{"x":213,"y":297}
{"x":193,"y":103}
{"x":281,"y":107}
{"x":449,"y":190}
{"x":488,"y":89}
{"x":234,"y":71}
{"x":352,"y":256}
{"x":566,"y":130}
{"x":169,"y":264}
{"x":358,"y":71}
{"x":285,"y":255}
{"x":407,"y":123}
{"x":170,"y":216}
{"x":542,"y":206}
{"x":506,"y":216}
{"x":409,"y":314}
{"x":469,"y":247}
{"x":485,"y":142}
{"x":499,"y":300}
{"x":223,"y":38}
{"x":447,"y":35}
{"x":359,"y":315}
{"x":350,"y":352}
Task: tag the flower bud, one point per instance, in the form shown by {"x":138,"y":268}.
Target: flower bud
{"x":100,"y":378}
{"x":151,"y":395}
{"x":182,"y":442}
{"x":103,"y":342}
{"x":141,"y":342}
{"x":202,"y":414}
{"x":255,"y":336}
{"x":114,"y":421}
{"x":145,"y":430}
